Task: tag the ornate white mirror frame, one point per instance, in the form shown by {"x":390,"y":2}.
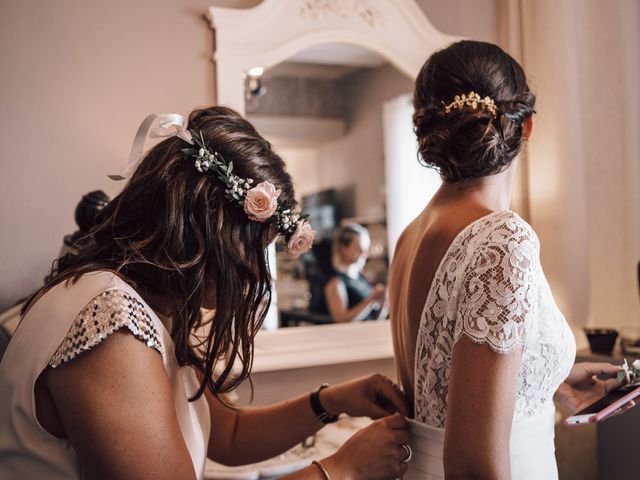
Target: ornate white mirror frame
{"x":275,"y":30}
{"x":269,"y":34}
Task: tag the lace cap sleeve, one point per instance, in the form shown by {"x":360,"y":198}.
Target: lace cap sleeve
{"x":498,"y":287}
{"x":106,"y":313}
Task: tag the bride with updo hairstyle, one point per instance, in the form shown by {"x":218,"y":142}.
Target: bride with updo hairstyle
{"x":122,"y":362}
{"x":481,"y":348}
{"x":466,"y":143}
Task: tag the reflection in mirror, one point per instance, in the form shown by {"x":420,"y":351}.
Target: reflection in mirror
{"x":323,"y":111}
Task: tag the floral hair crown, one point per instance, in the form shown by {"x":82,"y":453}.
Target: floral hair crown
{"x":473,"y":100}
{"x":260,"y":202}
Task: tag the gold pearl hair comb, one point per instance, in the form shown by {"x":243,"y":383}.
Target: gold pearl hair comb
{"x":473,"y":100}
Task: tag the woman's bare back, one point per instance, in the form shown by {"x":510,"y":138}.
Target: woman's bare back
{"x":417,"y":257}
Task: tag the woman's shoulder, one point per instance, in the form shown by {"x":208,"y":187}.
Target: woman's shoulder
{"x":500,"y":227}
{"x":497,"y":241}
{"x":101,"y":280}
{"x":81,"y":312}
{"x":72,"y":294}
{"x":336,"y":280}
{"x":109,"y":303}
{"x":73,"y":317}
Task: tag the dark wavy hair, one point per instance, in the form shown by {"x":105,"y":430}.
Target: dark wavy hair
{"x":171,"y":233}
{"x":467,"y":143}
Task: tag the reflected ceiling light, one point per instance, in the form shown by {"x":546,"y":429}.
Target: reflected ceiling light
{"x":255,"y":71}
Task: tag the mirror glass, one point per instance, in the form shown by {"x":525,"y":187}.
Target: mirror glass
{"x":323,"y":110}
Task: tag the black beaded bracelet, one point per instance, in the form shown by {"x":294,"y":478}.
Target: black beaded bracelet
{"x":318,"y":409}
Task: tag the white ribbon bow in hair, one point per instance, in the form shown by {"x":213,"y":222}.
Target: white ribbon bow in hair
{"x":169,"y":125}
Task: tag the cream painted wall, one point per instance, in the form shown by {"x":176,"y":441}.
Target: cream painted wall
{"x":476,"y":19}
{"x":79,"y":76}
{"x":302,"y":162}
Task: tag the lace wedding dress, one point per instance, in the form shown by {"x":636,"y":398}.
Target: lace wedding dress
{"x":490,"y":287}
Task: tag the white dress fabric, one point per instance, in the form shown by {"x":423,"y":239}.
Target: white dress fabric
{"x":490,"y":287}
{"x":64,"y":322}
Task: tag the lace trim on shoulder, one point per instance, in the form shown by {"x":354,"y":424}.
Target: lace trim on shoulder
{"x":106,"y":313}
{"x":496,"y":294}
{"x":490,"y":287}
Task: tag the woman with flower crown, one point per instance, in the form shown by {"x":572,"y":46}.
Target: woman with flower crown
{"x":115,"y":371}
{"x":481,"y":348}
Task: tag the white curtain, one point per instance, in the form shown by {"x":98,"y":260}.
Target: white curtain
{"x":583,"y":164}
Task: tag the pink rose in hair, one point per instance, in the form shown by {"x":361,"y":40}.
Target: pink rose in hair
{"x":301,"y":241}
{"x":261,"y":202}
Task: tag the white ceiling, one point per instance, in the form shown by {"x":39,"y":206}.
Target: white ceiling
{"x":331,"y":60}
{"x":339,"y":54}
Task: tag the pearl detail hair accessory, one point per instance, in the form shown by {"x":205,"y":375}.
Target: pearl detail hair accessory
{"x":473,"y":100}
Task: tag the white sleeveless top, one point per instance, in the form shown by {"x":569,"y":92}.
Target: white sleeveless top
{"x":64,"y":322}
{"x":490,"y":287}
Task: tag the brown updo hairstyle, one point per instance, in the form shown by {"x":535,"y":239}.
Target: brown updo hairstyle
{"x":172,"y":233}
{"x":467,"y":143}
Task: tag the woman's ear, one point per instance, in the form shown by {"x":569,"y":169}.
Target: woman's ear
{"x":527,"y":128}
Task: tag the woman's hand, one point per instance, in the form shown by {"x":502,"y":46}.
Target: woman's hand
{"x":582,"y":386}
{"x":374,"y":396}
{"x":378,"y":293}
{"x":374,"y":452}
{"x":378,"y":297}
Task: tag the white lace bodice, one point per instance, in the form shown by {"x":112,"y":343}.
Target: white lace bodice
{"x":490,"y":287}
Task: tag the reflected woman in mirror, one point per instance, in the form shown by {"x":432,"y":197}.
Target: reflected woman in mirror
{"x":349,"y":295}
{"x":481,"y":348}
{"x":115,"y":373}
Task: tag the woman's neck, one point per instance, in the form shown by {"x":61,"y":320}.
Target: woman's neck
{"x":492,"y":192}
